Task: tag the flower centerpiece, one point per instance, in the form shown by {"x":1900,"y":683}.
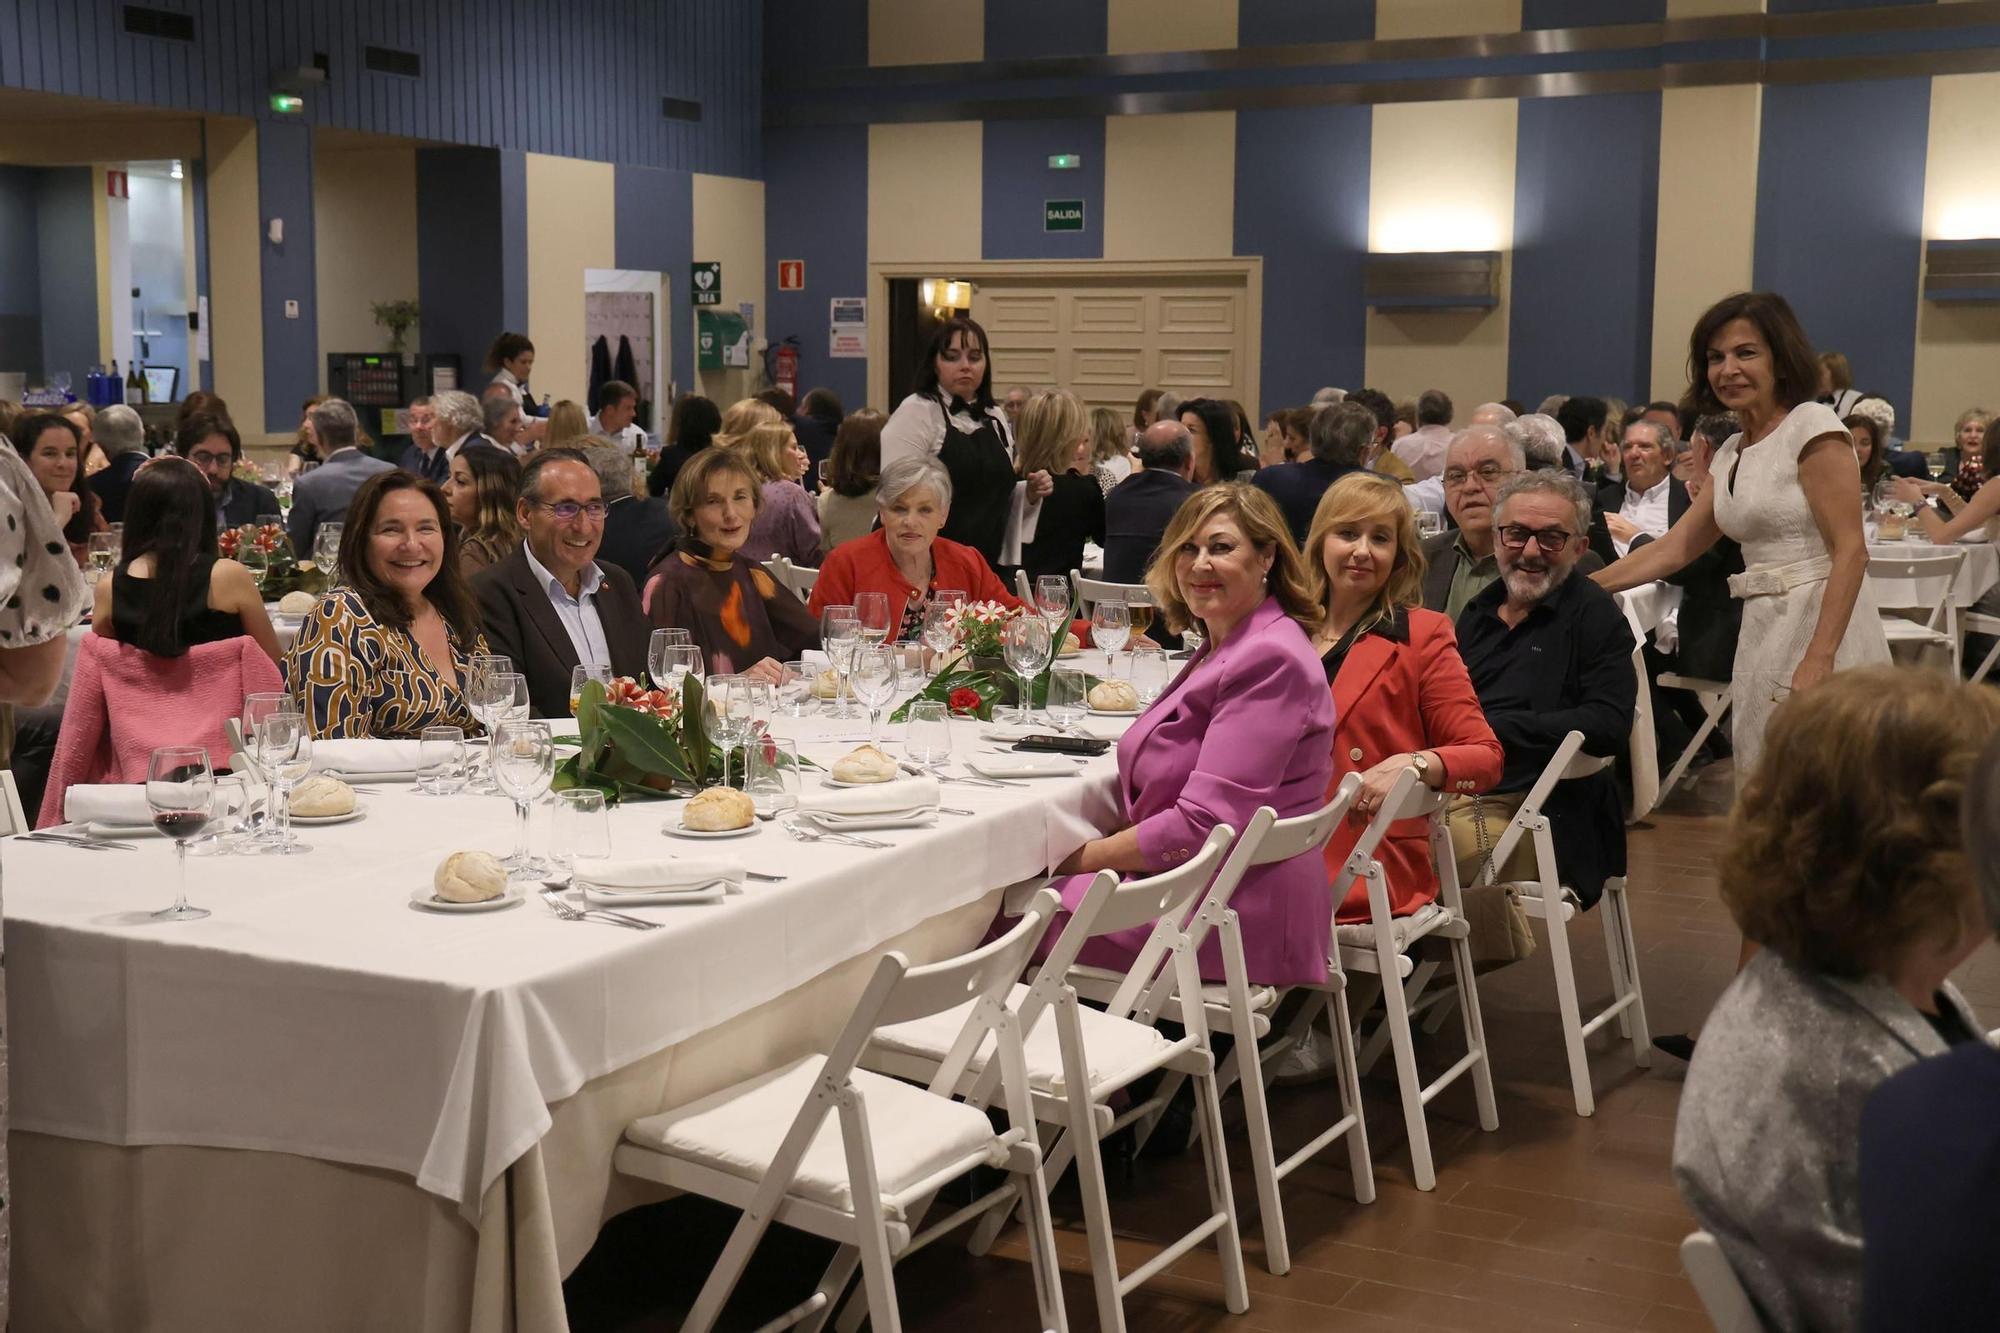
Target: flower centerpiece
{"x":974,"y":680}
{"x":977,"y":627}
{"x":644,"y":744}
{"x":281,"y":571}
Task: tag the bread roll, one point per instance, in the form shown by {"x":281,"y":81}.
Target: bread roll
{"x":718,"y":809}
{"x":1071,"y":644}
{"x":866,"y":764}
{"x":469,"y":877}
{"x":297,"y":604}
{"x":319,"y":796}
{"x":826,"y":685}
{"x":1114,"y":696}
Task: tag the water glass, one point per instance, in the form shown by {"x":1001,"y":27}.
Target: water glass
{"x":928,"y":740}
{"x":1069,"y":693}
{"x":872,"y":610}
{"x":580,"y":828}
{"x":1149,"y":673}
{"x":284,"y":752}
{"x":1110,"y":627}
{"x":795,"y":695}
{"x":771,"y":774}
{"x":875,"y":678}
{"x":1052,"y":598}
{"x":441,"y":760}
{"x":523,"y":766}
{"x":670,"y":655}
{"x":326,"y":552}
{"x":729,"y":697}
{"x":840,"y":626}
{"x":1429,"y":524}
{"x":103,"y":554}
{"x":249,"y":555}
{"x":582,"y":675}
{"x":180,"y":793}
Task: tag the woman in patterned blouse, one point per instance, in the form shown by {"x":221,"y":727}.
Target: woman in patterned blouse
{"x":386,"y":655}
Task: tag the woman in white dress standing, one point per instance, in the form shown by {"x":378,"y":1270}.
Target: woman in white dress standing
{"x":1788,"y":489}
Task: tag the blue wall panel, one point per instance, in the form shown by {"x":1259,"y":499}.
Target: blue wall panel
{"x":1585,"y":13}
{"x":582,"y":79}
{"x":1847,"y":258}
{"x":65,"y":212}
{"x":816,"y":209}
{"x":655,"y":232}
{"x":20,"y":272}
{"x":461,"y":255}
{"x":197,"y":184}
{"x":1586,"y":214}
{"x":1302,"y":203}
{"x":1293,"y":22}
{"x":1025,"y":29}
{"x":803,"y":35}
{"x":1017,"y":179}
{"x":291,"y":346}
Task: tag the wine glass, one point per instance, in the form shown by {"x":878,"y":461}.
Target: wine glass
{"x":732,"y":715}
{"x":1052,"y":599}
{"x":660,"y":662}
{"x":1429,"y":524}
{"x":1068,"y":692}
{"x":824,"y":472}
{"x":523,"y":764}
{"x":326,"y":552}
{"x":253,"y":558}
{"x":580,"y":676}
{"x":257,"y":707}
{"x":103,"y":554}
{"x":1024,"y":643}
{"x":836,"y":624}
{"x":1148,"y":668}
{"x":1192,"y":638}
{"x":940,"y":631}
{"x":874,"y":675}
{"x":482,"y":694}
{"x":284,"y":752}
{"x":1110,"y":627}
{"x":180,"y":793}
{"x":872,"y":610}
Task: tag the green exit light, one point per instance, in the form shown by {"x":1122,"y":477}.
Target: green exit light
{"x":1064,"y":161}
{"x":287,"y":104}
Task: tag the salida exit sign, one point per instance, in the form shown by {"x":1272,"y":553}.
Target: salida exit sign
{"x":1062,"y":215}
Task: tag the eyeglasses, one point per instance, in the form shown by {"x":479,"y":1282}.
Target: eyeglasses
{"x":567,"y":510}
{"x":1551,"y":540}
{"x":1486,"y":472}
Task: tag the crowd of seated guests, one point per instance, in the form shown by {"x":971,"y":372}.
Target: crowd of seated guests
{"x":636,"y":527}
{"x":213,"y":446}
{"x":692,"y":428}
{"x":1337,"y":440}
{"x":1053,"y":436}
{"x":52,"y":446}
{"x":121,"y":435}
{"x":1139,"y":508}
{"x":480,"y":489}
{"x":1110,"y":449}
{"x":787,"y":522}
{"x":324,"y":494}
{"x":847,"y":502}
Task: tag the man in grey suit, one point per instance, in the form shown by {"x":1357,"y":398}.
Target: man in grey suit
{"x":322,"y":495}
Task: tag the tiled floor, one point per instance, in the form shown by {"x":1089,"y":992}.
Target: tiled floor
{"x":1552,"y":1222}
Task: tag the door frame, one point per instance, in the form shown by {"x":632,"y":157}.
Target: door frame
{"x":1249,"y":269}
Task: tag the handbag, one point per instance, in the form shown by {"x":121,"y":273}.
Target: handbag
{"x":1496,"y":924}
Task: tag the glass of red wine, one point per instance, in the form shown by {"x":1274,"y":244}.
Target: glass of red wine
{"x":180,"y":791}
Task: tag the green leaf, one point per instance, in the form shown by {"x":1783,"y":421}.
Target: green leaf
{"x":644,"y":741}
{"x":588,"y":706}
{"x":695,"y":746}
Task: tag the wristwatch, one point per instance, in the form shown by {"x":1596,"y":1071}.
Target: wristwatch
{"x":1422,"y":764}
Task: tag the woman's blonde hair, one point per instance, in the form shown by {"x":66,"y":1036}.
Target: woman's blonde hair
{"x":1845,"y":846}
{"x":744,"y":415}
{"x":568,"y":425}
{"x":1363,"y":497}
{"x":1107,"y":435}
{"x":1046,"y":434}
{"x":1262,"y":523}
{"x":765,"y":445}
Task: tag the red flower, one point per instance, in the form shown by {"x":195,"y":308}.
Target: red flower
{"x":964,"y":701}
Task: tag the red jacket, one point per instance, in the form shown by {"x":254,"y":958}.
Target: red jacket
{"x":865,"y":565}
{"x":1401,"y":690}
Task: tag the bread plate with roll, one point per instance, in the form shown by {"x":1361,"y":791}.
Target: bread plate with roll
{"x":864,"y":766}
{"x":323,"y":799}
{"x":895,"y":802}
{"x":468,"y":882}
{"x":1113,"y":698}
{"x":717,"y":812}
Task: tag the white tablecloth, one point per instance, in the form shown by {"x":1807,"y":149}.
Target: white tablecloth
{"x":318,"y":1012}
{"x":1976,"y":576}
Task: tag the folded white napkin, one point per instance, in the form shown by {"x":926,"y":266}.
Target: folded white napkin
{"x":1020,"y":765}
{"x":1014,"y":731}
{"x":651,"y":875}
{"x":124,"y":804}
{"x":366,"y":758}
{"x":883,"y":798}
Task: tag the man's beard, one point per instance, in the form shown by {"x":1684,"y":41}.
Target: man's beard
{"x":1529,"y":586}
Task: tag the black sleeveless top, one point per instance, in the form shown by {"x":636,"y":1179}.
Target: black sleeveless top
{"x":982,"y":487}
{"x":131,"y":596}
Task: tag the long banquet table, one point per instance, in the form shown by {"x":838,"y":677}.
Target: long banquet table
{"x":325,"y":1108}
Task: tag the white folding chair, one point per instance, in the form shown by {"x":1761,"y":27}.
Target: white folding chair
{"x":1381,"y":946}
{"x":1024,"y":589}
{"x":1546,"y":899}
{"x":1080,"y":1058}
{"x":1978,"y":622}
{"x":1729,"y":1307}
{"x":1092,"y":591}
{"x":1929,"y":583}
{"x":1714,"y":697}
{"x":803,"y":578}
{"x":1244,"y":1010}
{"x":10,"y":806}
{"x":779,"y":567}
{"x":867,"y":1179}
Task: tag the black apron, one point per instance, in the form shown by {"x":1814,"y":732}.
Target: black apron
{"x":982,"y":487}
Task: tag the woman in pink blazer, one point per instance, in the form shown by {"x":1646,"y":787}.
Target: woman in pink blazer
{"x":1247,"y":723}
{"x":1401,"y":697}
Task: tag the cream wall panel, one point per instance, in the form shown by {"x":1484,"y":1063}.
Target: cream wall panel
{"x":100,"y":223}
{"x":1445,"y":18}
{"x":1169,"y":25}
{"x":924,"y":193}
{"x":1144,"y":217}
{"x":365,"y":245}
{"x":572,"y":209}
{"x":1956,"y":345}
{"x":1708,"y":215}
{"x":925,"y":32}
{"x":728,"y":227}
{"x":1702,"y":9}
{"x":1441,"y":177}
{"x":235,"y":279}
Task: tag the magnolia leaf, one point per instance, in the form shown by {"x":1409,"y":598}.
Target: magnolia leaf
{"x":643,"y":741}
{"x":695,"y":745}
{"x":588,"y":705}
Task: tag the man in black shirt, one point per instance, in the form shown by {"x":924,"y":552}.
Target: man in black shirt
{"x":1550,"y":654}
{"x":1137,"y":511}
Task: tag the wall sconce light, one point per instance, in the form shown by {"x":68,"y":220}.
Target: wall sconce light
{"x":945,"y":297}
{"x":1962,"y":272}
{"x":1436,"y":280}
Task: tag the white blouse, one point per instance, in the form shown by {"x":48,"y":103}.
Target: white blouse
{"x":42,"y":592}
{"x":916,"y":429}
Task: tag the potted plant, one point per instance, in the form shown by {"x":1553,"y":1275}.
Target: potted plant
{"x":399,"y":317}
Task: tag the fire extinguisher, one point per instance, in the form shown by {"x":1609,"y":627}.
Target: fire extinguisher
{"x":785,"y":367}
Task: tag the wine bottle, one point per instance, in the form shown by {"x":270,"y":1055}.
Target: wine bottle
{"x":135,"y":385}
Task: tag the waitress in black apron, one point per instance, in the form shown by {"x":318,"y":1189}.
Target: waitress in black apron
{"x":951,"y":416}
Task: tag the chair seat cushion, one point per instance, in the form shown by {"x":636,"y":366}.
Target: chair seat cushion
{"x":740,"y":1129}
{"x":1403,"y":930}
{"x":1111,"y":1046}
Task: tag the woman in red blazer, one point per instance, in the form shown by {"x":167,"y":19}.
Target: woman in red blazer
{"x":1401,"y":696}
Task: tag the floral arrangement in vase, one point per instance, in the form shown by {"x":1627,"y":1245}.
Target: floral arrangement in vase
{"x":645,"y":744}
{"x":281,"y":571}
{"x":978,"y":626}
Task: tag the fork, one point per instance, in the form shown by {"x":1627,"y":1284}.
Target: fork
{"x":935,"y":771}
{"x":804,"y":834}
{"x":569,"y":912}
{"x":87,"y":844}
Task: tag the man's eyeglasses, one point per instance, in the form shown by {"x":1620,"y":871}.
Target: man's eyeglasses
{"x":567,"y":510}
{"x":1551,"y":540}
{"x":1486,"y":472}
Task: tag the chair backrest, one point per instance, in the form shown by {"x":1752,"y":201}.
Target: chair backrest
{"x":10,"y":805}
{"x":1940,"y":571}
{"x":1569,"y":761}
{"x":803,"y":579}
{"x":1092,"y":591}
{"x":779,"y":567}
{"x":1024,"y":589}
{"x":1722,"y":1295}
